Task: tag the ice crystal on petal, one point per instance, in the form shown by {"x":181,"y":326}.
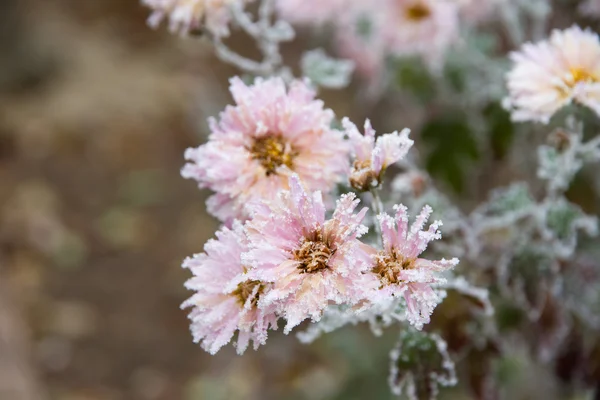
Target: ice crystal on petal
{"x":187,"y":16}
{"x":397,"y":270}
{"x":420,"y":364}
{"x":311,"y":262}
{"x":553,"y":73}
{"x":272,"y":132}
{"x":225,"y":300}
{"x":371,"y":156}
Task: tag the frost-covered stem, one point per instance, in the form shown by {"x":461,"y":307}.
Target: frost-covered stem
{"x":231,"y":57}
{"x":268,"y":36}
{"x":377,"y":205}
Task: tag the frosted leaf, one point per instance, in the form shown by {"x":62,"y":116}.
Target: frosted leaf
{"x":502,"y":214}
{"x":527,"y":275}
{"x":480,"y":295}
{"x":420,"y":364}
{"x":560,"y":222}
{"x":326,"y":71}
{"x":559,"y":162}
{"x":581,"y":282}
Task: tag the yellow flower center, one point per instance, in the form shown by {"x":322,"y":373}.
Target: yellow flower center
{"x":417,"y":11}
{"x":581,"y":75}
{"x":271,"y":152}
{"x":245,"y":289}
{"x":389,"y":267}
{"x":313,"y":255}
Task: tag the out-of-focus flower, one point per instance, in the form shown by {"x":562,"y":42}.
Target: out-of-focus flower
{"x":311,"y":12}
{"x":590,"y":8}
{"x":225,"y":301}
{"x":371,"y":158}
{"x":420,"y":27}
{"x":477,"y":11}
{"x":399,"y":271}
{"x":554,"y":73}
{"x":311,"y":262}
{"x":257,"y":144}
{"x":186,"y":16}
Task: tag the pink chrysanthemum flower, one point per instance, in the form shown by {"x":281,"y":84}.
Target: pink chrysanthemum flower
{"x":226,"y":302}
{"x":420,"y":27}
{"x":186,"y":16}
{"x":257,"y":144}
{"x":372,"y":157}
{"x":398,"y":271}
{"x":311,"y":262}
{"x":554,"y":73}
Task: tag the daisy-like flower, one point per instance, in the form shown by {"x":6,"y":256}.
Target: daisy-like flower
{"x":311,"y":262}
{"x":420,"y":27}
{"x":186,"y":16}
{"x":225,"y":301}
{"x":397,"y":270}
{"x":257,"y":144}
{"x":553,"y":73}
{"x":372,"y":157}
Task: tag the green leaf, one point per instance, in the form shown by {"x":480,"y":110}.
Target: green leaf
{"x":413,"y":76}
{"x":501,"y":129}
{"x":453,"y":148}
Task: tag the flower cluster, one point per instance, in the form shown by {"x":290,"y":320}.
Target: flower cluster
{"x":554,"y":73}
{"x":278,"y":256}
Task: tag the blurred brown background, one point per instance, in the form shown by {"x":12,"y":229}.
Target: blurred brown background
{"x":95,"y":113}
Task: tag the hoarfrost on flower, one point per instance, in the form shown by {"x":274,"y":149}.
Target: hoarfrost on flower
{"x":225,"y":301}
{"x":311,"y":262}
{"x":186,"y":16}
{"x":372,"y":157}
{"x":271,"y":133}
{"x":398,"y":271}
{"x":553,"y":73}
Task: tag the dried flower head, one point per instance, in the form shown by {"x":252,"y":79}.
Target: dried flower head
{"x":371,"y":157}
{"x":187,"y":16}
{"x":226,"y":301}
{"x":553,"y":73}
{"x":311,"y":262}
{"x":271,"y":133}
{"x":400,"y":272}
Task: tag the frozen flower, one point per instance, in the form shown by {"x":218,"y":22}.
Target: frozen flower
{"x":420,"y":27}
{"x":186,"y":16}
{"x":398,"y":269}
{"x":372,"y":157}
{"x":311,"y":262}
{"x":257,"y":144}
{"x":553,"y":73}
{"x":225,"y":301}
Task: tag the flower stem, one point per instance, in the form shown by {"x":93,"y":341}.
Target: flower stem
{"x":377,"y":205}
